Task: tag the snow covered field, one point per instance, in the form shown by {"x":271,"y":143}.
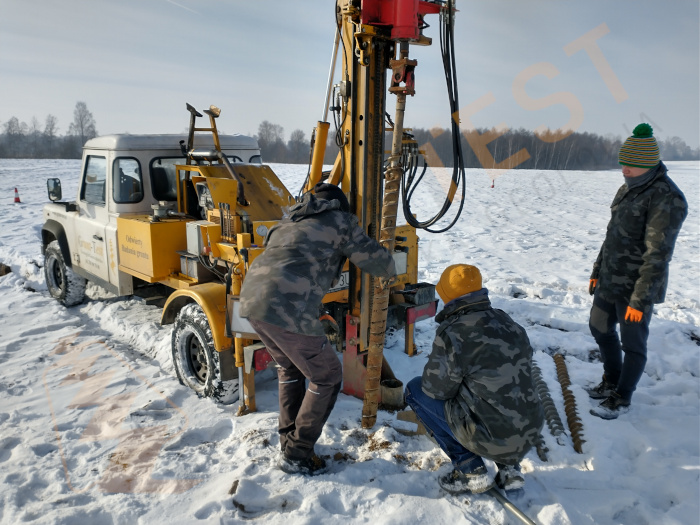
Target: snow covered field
{"x":100,"y":432}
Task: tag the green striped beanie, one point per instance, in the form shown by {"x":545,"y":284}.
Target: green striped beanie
{"x":640,"y":150}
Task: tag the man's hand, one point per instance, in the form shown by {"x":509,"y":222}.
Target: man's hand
{"x":592,"y":284}
{"x":330,"y":327}
{"x":633,"y":316}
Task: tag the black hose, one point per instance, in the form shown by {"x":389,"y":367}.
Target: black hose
{"x":458,"y":179}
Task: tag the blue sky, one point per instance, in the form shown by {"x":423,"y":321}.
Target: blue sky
{"x":137,"y":62}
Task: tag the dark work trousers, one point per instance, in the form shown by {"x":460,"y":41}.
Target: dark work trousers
{"x":303,"y":411}
{"x":632,"y":341}
{"x":431,"y":412}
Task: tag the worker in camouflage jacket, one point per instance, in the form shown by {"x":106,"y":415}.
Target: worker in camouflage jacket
{"x":630,"y":274}
{"x":281,"y":296}
{"x":476,"y":397}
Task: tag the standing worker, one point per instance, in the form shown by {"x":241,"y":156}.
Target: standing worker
{"x":281,"y":297}
{"x":631,"y":272}
{"x":476,"y":397}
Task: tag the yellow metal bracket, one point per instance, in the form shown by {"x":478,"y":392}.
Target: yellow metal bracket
{"x":363,"y":39}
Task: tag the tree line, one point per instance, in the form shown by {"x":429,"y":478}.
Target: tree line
{"x":35,"y":140}
{"x":486,"y":148}
{"x":481,"y":148}
{"x":548,"y":150}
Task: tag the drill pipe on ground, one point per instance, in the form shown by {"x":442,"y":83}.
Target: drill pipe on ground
{"x":575,"y":423}
{"x":509,"y":505}
{"x":554,"y":422}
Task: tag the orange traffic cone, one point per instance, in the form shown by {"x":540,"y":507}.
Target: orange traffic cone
{"x":17,"y":196}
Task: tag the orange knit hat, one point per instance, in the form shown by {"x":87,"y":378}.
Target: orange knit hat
{"x":458,"y":280}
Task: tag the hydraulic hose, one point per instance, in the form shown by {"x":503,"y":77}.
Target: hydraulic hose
{"x":458,"y":175}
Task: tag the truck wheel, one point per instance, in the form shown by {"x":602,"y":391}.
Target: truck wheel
{"x":63,"y":283}
{"x":196,"y":361}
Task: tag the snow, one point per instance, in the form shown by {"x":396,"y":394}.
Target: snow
{"x":95,"y":428}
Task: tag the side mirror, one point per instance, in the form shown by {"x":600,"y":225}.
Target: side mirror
{"x":54,"y":188}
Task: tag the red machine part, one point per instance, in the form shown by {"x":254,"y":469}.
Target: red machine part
{"x":261,"y":358}
{"x":405,"y":17}
{"x":354,"y":371}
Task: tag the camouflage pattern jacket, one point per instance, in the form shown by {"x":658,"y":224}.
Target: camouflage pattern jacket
{"x":633,"y":262}
{"x":480,"y":366}
{"x":303,"y":254}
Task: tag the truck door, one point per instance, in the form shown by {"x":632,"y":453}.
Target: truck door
{"x":127,"y":197}
{"x":91,"y":255}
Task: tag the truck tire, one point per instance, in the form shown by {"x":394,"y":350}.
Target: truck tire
{"x":63,"y":283}
{"x":195,"y":358}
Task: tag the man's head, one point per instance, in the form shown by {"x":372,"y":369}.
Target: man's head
{"x":323,"y":190}
{"x":640,"y":152}
{"x":458,"y":280}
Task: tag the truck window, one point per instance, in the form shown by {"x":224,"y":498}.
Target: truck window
{"x":127,"y":184}
{"x":93,"y":189}
{"x":164,"y":177}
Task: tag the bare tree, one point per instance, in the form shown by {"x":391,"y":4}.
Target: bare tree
{"x":298,"y":147}
{"x":50,"y":127}
{"x":537,"y":148}
{"x":83,"y":125}
{"x":50,"y":132}
{"x":15,"y":133}
{"x":34,"y":136}
{"x":271,"y":141}
{"x":269,"y":133}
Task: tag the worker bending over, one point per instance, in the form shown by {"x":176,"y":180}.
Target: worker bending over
{"x":476,"y":397}
{"x":281,"y":296}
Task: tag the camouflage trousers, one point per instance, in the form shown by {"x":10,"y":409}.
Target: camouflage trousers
{"x":303,"y":410}
{"x":632,"y":341}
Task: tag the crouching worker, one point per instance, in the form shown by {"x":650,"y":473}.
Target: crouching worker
{"x":281,"y":295}
{"x":476,"y":397}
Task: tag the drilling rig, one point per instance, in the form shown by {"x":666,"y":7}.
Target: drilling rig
{"x":375,"y":37}
{"x":192,"y":217}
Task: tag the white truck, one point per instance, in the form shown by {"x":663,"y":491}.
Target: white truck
{"x":124,"y":231}
{"x":121,"y":174}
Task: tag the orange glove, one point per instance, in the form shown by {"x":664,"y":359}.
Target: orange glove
{"x":330,"y":326}
{"x":592,"y":284}
{"x":633,"y":316}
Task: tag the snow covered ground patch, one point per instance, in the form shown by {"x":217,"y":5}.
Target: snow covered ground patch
{"x":95,"y":428}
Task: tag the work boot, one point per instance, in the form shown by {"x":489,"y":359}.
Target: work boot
{"x":458,"y":482}
{"x":612,"y":407}
{"x":311,"y":466}
{"x":602,"y":390}
{"x":509,"y":477}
